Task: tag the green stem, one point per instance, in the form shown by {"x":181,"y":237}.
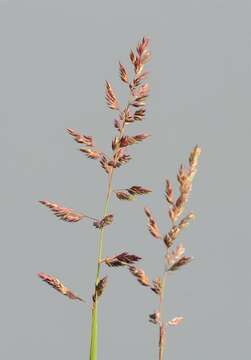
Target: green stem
{"x":162,"y":317}
{"x":94,"y":326}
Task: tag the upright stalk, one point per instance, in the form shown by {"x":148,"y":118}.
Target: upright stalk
{"x":162,"y":326}
{"x":94,"y":326}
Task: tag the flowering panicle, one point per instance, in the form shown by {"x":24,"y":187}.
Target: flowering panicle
{"x":175,"y":258}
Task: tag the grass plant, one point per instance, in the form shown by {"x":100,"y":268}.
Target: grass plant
{"x":133,"y":111}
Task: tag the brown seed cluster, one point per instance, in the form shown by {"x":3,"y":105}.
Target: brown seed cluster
{"x":59,"y":286}
{"x":63,"y":213}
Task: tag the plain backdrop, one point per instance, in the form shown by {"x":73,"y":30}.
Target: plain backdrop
{"x":55,"y":58}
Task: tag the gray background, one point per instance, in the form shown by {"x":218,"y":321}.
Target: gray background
{"x":55,"y":57}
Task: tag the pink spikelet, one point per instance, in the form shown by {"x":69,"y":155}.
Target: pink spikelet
{"x":59,"y":286}
{"x":63,"y":213}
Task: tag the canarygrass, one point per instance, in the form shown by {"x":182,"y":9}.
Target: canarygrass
{"x":174,"y":258}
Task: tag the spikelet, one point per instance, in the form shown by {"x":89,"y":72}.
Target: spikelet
{"x":120,"y":158}
{"x":142,"y":58}
{"x":157,"y":286}
{"x":121,"y":260}
{"x":100,"y":288}
{"x":155,"y":318}
{"x":140,"y":275}
{"x":175,"y":255}
{"x":152,"y":225}
{"x":185,"y":180}
{"x":139,"y":114}
{"x":176,"y":229}
{"x":176,"y":321}
{"x":181,"y":262}
{"x":59,"y":286}
{"x":139,"y":79}
{"x":121,"y":195}
{"x":63,"y":213}
{"x":169,"y":192}
{"x":123,"y":73}
{"x":91,"y":153}
{"x":81,"y":139}
{"x":186,"y":220}
{"x":110,"y":97}
{"x":193,"y":161}
{"x":138,"y":190}
{"x":140,"y":96}
{"x":105,"y":164}
{"x":131,"y":140}
{"x":107,"y":220}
